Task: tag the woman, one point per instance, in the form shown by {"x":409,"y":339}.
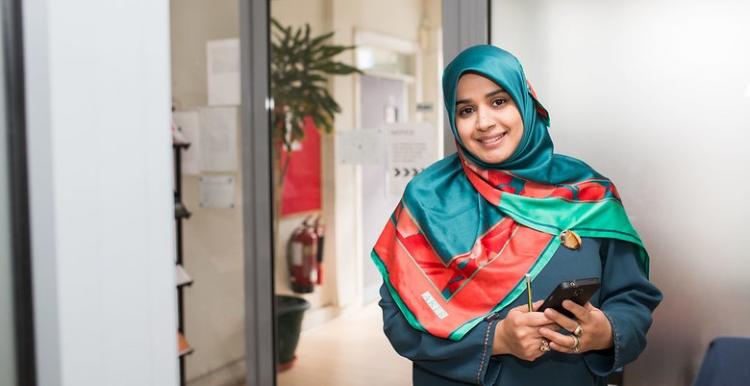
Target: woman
{"x":468,"y":229}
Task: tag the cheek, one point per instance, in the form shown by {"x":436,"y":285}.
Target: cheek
{"x":514,"y":121}
{"x":464,"y":130}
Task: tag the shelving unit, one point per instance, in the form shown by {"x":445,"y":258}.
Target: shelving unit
{"x":182,"y":278}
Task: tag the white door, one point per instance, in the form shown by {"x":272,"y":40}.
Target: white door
{"x":382,"y":102}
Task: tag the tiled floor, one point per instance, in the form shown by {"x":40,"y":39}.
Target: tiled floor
{"x":348,"y":351}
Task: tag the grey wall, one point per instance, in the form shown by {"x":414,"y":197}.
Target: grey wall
{"x":654,"y":95}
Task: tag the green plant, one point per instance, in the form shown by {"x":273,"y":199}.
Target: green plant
{"x":300,"y":68}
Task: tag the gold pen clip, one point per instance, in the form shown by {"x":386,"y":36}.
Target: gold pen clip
{"x":528,"y":291}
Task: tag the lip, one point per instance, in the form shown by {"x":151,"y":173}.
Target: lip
{"x":492,"y":140}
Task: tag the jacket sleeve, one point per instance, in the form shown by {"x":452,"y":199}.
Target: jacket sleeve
{"x":466,"y":361}
{"x":627,"y":298}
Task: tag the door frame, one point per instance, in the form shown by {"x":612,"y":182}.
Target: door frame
{"x":13,"y":58}
{"x":257,"y":198}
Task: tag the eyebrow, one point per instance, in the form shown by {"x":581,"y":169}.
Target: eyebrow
{"x":489,"y":94}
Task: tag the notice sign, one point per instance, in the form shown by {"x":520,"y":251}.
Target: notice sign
{"x":360,"y":147}
{"x":218,"y":138}
{"x":223,"y":66}
{"x":411,"y":148}
{"x":217,"y":191}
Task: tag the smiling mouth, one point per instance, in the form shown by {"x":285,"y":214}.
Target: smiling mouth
{"x":491,"y":140}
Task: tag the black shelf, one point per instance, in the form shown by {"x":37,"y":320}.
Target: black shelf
{"x":180,"y":211}
{"x":182,"y":278}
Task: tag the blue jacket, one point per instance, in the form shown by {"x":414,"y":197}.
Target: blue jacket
{"x":626,"y":297}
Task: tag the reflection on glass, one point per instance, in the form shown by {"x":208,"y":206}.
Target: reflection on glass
{"x":208,"y":191}
{"x":335,"y":191}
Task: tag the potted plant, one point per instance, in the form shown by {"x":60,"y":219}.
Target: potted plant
{"x":301,"y":65}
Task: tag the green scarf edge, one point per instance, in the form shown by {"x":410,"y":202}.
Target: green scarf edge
{"x":605,"y":218}
{"x":400,"y":303}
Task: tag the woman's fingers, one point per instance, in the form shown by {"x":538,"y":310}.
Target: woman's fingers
{"x":580,"y":312}
{"x":536,"y":319}
{"x":561,"y":320}
{"x":525,"y":307}
{"x":559,"y":348}
{"x":558,"y":341}
{"x":520,"y":316}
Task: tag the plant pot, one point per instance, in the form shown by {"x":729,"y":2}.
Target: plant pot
{"x":289,"y":313}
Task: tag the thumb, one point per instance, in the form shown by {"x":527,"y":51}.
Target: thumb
{"x":536,"y":305}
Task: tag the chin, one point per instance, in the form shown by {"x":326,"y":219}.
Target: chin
{"x":491,"y":158}
{"x":494,"y":159}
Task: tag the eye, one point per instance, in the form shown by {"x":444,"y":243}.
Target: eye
{"x":464,"y":111}
{"x":499,"y":102}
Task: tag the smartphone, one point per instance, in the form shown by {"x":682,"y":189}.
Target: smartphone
{"x":579,"y":291}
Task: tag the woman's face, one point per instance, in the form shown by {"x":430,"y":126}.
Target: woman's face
{"x":487,"y":119}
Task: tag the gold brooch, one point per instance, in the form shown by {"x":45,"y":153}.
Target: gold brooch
{"x":570,"y":239}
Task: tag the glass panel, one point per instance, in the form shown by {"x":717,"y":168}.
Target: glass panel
{"x":7,"y":326}
{"x":337,"y":181}
{"x":208,"y":190}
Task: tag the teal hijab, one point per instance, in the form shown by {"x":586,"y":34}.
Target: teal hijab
{"x":534,"y":158}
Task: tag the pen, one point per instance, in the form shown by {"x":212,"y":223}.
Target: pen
{"x":528,"y":290}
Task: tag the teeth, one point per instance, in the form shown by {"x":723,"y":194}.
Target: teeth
{"x":493,"y":139}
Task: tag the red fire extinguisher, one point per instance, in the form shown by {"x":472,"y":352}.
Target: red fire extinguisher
{"x":305,"y":256}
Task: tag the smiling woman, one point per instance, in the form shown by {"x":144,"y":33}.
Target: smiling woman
{"x":472,"y":226}
{"x":487,"y":119}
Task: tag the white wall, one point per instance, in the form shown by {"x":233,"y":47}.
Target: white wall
{"x":653,"y":94}
{"x":97,"y":77}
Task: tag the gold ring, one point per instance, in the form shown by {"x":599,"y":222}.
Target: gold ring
{"x":578,"y":331}
{"x":577,"y":346}
{"x":545,"y":345}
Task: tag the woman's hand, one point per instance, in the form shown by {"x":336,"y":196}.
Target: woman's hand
{"x":518,"y":334}
{"x":595,"y":331}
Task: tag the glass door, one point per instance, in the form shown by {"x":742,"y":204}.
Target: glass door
{"x":207,"y":128}
{"x":356,"y":114}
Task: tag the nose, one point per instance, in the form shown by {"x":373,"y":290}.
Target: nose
{"x":484,"y":121}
